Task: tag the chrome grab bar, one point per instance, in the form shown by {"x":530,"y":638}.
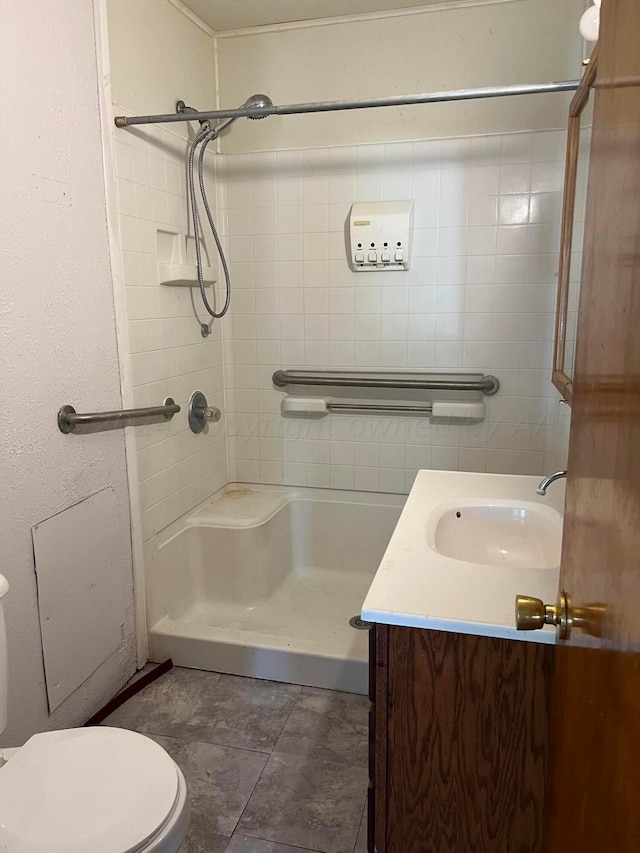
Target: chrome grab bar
{"x":69,"y":419}
{"x":341,"y":379}
{"x":380,"y":407}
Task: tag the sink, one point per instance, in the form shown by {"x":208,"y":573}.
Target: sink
{"x":514,"y":535}
{"x":464,"y":547}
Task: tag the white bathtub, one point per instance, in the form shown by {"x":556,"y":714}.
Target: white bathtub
{"x":262,"y":581}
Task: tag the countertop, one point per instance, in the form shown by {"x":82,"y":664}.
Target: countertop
{"x":415,"y":586}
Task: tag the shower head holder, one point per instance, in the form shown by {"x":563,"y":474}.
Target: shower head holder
{"x":183,"y":109}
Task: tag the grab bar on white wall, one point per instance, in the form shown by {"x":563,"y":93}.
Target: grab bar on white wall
{"x":69,"y":419}
{"x":356,"y":379}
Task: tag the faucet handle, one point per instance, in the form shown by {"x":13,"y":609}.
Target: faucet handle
{"x":211,"y":413}
{"x":200,"y":412}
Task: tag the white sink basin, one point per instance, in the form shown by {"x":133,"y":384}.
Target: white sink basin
{"x":519,"y":536}
{"x":465,"y":546}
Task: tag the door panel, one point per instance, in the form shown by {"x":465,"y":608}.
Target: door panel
{"x":594,"y":768}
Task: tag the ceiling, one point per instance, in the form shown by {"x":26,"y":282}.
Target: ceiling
{"x":238,"y":14}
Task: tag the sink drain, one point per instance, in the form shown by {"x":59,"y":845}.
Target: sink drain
{"x":359,"y":623}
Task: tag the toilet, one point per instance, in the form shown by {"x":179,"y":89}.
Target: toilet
{"x":89,"y":790}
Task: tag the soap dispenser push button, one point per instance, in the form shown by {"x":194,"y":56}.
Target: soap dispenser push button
{"x":373,"y":257}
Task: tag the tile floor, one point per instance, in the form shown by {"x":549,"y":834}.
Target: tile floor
{"x":270,"y":767}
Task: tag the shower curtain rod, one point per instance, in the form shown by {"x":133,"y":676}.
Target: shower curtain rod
{"x":361,"y":104}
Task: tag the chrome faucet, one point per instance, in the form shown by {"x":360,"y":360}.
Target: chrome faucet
{"x":544,"y":484}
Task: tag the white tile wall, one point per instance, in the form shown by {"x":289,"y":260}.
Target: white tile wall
{"x":480,"y":295}
{"x":168,"y":356}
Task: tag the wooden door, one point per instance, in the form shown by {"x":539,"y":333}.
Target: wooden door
{"x":593,"y":785}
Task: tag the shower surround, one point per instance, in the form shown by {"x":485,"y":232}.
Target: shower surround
{"x":264,"y":596}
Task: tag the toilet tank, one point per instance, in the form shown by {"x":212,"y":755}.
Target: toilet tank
{"x":4,"y":586}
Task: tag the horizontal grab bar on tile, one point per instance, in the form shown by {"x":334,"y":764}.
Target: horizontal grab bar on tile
{"x":389,"y":408}
{"x":344,"y":379}
{"x":446,"y":409}
{"x":69,"y":419}
{"x":318,"y":407}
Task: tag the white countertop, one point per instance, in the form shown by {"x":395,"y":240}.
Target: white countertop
{"x":416,"y":586}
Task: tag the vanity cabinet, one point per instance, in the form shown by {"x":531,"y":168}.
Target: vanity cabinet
{"x":458,"y":742}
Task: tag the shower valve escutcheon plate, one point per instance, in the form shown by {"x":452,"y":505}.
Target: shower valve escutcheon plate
{"x":200,"y":413}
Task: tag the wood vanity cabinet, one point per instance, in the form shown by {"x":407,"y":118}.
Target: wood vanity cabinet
{"x":457,"y":742}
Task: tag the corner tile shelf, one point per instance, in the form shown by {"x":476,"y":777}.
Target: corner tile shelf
{"x":176,"y":256}
{"x":184,"y":275}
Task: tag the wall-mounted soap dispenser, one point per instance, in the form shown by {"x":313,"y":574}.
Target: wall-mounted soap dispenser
{"x":380,"y":235}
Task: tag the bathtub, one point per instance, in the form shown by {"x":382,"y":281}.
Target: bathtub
{"x":262,"y":581}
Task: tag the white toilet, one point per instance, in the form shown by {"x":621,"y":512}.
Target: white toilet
{"x":93,"y":790}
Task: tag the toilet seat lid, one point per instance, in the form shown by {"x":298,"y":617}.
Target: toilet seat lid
{"x":94,"y":789}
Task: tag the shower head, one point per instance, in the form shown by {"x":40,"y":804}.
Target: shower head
{"x":257,"y":103}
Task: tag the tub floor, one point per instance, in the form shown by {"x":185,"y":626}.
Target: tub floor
{"x":308,"y":615}
{"x":309,"y":603}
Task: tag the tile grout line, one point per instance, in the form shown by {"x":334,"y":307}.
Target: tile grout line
{"x":209,"y":742}
{"x":268,"y":755}
{"x":246,"y":835}
{"x":284,"y":725}
{"x":364,"y":811}
{"x":292,"y":846}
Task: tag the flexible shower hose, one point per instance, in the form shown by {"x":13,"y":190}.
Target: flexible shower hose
{"x":204,"y":137}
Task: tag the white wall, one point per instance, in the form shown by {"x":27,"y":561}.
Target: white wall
{"x":158,"y":55}
{"x":58,"y":332}
{"x":523,"y":41}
